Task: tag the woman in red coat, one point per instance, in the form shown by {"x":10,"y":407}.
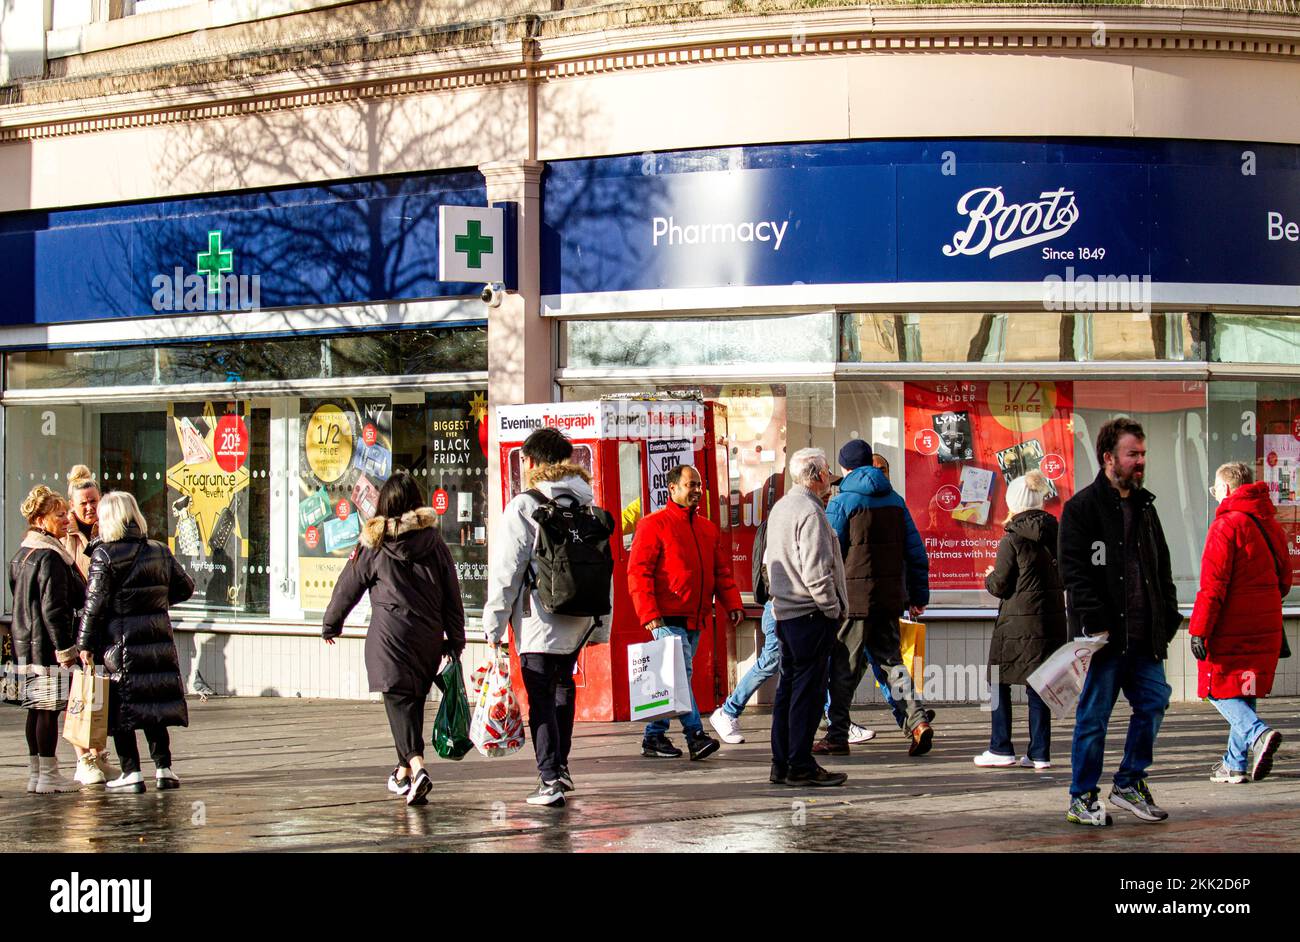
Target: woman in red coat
{"x":1237,"y":622}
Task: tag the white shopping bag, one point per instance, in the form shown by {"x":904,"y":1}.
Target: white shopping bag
{"x":656,"y":676}
{"x":1059,"y":679}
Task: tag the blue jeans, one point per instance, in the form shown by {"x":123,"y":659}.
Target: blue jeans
{"x":1040,"y":725}
{"x":691,"y":721}
{"x":768,"y":663}
{"x":1246,"y":728}
{"x":1142,"y":679}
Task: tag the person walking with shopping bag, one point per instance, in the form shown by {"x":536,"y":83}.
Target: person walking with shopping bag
{"x":810,"y":599}
{"x":47,"y":591}
{"x":1236,"y":630}
{"x":417,"y":617}
{"x":1030,"y":623}
{"x":548,"y":643}
{"x":126,"y":627}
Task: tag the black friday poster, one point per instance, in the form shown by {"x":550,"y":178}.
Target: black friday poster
{"x":457,"y":440}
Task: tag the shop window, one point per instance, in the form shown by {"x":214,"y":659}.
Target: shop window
{"x":716,"y":341}
{"x":1025,"y":336}
{"x":1255,"y":338}
{"x":394,"y":353}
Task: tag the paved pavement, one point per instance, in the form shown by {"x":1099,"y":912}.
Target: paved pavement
{"x":304,"y":775}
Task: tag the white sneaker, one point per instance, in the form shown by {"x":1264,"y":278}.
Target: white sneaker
{"x":88,"y":773}
{"x":166,"y":778}
{"x":106,"y":766}
{"x":727,"y":726}
{"x":51,"y":780}
{"x":1038,"y":765}
{"x":33,"y":773}
{"x":860,"y":734}
{"x":127,"y":782}
{"x":989,"y":760}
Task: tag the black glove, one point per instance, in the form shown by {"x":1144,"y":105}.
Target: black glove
{"x":1198,"y":648}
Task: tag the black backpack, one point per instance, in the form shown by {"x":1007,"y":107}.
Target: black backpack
{"x":572,"y":562}
{"x":759,"y":572}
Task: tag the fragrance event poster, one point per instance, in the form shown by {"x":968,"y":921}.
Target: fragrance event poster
{"x":1279,"y":456}
{"x":346,"y":456}
{"x":207,"y":481}
{"x":456,"y":458}
{"x":965,"y":442}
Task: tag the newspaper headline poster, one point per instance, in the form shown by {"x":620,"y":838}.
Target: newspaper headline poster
{"x":458,"y":483}
{"x":662,"y":455}
{"x":1279,"y":457}
{"x":345,"y":457}
{"x":965,"y":442}
{"x":207,"y":480}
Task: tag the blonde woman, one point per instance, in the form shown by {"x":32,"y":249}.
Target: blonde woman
{"x":47,"y":592}
{"x":125,"y":626}
{"x":83,"y":520}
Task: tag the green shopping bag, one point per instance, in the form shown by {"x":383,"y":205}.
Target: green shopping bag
{"x":451,"y":728}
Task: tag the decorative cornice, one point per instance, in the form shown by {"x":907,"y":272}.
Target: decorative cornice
{"x":556,"y":55}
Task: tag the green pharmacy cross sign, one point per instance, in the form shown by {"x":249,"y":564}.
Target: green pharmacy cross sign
{"x":473,"y":244}
{"x":214,"y":262}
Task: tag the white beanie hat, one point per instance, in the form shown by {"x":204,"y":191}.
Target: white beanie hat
{"x":1026,"y":493}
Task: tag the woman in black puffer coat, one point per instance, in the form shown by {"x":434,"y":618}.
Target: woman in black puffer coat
{"x":133,"y":582}
{"x":1031,"y":620}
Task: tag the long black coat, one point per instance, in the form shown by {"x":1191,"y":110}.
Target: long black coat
{"x":416,"y":608}
{"x":1031,"y":618}
{"x":1092,"y":566}
{"x":47,"y":595}
{"x":133,"y":581}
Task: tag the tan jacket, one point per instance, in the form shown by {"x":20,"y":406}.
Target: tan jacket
{"x":75,"y":543}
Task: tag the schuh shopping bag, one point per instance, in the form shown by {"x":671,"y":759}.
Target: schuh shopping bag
{"x":497,"y":728}
{"x":85,"y":722}
{"x":451,"y":727}
{"x":657,"y":681}
{"x":1059,"y":679}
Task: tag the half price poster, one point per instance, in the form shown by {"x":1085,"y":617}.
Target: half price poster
{"x":965,"y":442}
{"x":346,"y":456}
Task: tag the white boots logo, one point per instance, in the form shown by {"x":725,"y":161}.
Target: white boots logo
{"x":999,"y":227}
{"x":76,"y":895}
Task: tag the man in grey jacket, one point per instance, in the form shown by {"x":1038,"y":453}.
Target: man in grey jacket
{"x":548,"y":645}
{"x":805,"y":574}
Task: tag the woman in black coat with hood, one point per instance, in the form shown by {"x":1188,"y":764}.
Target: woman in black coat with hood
{"x":133,"y":582}
{"x":416,"y":618}
{"x":1031,"y":620}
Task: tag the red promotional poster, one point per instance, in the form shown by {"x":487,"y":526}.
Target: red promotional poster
{"x":1279,"y":449}
{"x":965,"y":442}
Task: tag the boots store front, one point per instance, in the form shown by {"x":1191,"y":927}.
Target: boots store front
{"x":253,"y":366}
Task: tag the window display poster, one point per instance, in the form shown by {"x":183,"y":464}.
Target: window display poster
{"x":756,"y":433}
{"x":964,"y":443}
{"x":345,"y":458}
{"x":207,"y":484}
{"x":457,"y":483}
{"x":661,"y":457}
{"x":1279,"y":463}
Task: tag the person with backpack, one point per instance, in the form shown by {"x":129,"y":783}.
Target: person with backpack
{"x":677,"y":566}
{"x":551,"y":575}
{"x":726,"y":718}
{"x":1236,"y":632}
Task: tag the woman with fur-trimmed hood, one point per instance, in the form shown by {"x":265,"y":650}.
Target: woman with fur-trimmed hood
{"x":416,"y":618}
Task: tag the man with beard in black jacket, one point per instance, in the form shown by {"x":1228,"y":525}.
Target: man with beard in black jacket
{"x":1118,"y":581}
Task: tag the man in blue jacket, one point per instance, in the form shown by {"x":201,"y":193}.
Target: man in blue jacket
{"x":887,"y":572}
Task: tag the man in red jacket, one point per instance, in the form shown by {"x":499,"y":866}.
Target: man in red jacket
{"x":1237,"y":621}
{"x":677,"y":565}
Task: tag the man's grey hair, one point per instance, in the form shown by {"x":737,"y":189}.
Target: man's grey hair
{"x":807,"y":463}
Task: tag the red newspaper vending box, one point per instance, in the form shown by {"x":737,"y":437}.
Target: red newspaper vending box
{"x":628,"y":445}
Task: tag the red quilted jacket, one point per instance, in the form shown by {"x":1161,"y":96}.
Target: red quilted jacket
{"x":678,"y":562}
{"x":1239,"y":608}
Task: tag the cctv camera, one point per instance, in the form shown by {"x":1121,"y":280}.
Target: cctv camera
{"x":493,"y":294}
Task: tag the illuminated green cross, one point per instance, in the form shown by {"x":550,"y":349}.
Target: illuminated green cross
{"x":214,"y":262}
{"x":474,"y":244}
